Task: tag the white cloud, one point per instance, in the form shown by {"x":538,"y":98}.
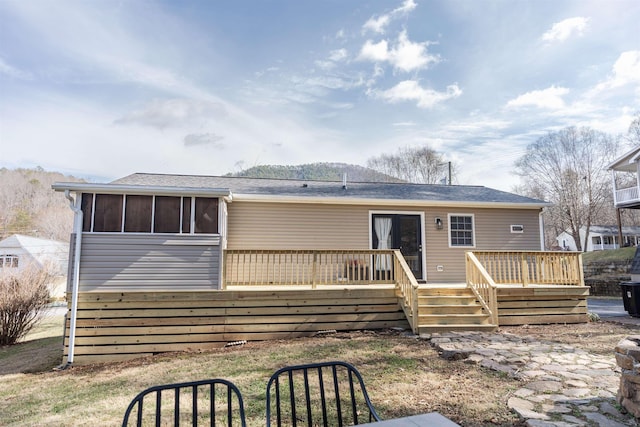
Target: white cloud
{"x":338,"y":55}
{"x":561,"y":31}
{"x":406,"y":7}
{"x":623,"y":84}
{"x":376,"y":52}
{"x":405,"y":55}
{"x":13,"y":71}
{"x":550,"y":98}
{"x":335,"y":56}
{"x":626,"y":70}
{"x":171,"y":113}
{"x":379,"y":24}
{"x":410,"y":90}
{"x":204,"y":139}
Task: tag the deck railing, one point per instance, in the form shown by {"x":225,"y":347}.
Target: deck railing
{"x":627,"y":194}
{"x":307,"y":267}
{"x":527,"y":268}
{"x":253,"y":267}
{"x":482,"y":285}
{"x":407,"y":289}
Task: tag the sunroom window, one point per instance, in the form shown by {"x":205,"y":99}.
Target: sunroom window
{"x":149,"y":214}
{"x":137,"y":215}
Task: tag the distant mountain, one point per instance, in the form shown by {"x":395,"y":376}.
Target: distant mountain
{"x":29,"y":206}
{"x":317,"y":172}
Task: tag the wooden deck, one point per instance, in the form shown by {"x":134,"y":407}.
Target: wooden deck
{"x":123,"y":325}
{"x":117,"y":326}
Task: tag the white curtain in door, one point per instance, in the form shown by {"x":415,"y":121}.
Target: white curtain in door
{"x":382,"y":227}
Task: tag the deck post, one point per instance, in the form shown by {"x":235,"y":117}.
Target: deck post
{"x":223,"y":271}
{"x":524,"y":270}
{"x":580,"y":271}
{"x":314,"y":270}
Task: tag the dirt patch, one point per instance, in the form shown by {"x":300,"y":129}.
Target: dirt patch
{"x":596,"y":337}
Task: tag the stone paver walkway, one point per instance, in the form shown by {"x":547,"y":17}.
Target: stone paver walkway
{"x":562,"y":386}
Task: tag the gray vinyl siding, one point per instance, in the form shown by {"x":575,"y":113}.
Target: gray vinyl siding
{"x":256,"y":225}
{"x":146,"y":262}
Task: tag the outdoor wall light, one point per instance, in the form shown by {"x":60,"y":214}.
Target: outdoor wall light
{"x":438,"y":223}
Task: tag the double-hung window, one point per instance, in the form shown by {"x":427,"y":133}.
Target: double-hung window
{"x":461,"y":230}
{"x":8,"y":261}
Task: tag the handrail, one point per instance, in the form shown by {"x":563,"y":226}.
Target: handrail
{"x":533,"y":267}
{"x":313,"y":267}
{"x":407,"y":287}
{"x":482,"y":285}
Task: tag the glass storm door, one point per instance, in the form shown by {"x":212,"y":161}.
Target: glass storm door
{"x":399,"y":231}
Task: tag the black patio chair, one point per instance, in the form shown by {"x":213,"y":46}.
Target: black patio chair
{"x":213,"y":402}
{"x":319,"y":394}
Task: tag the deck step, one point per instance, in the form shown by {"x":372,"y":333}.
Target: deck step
{"x":431,"y":329}
{"x":427,"y":309}
{"x":443,"y":309}
{"x":425,"y":291}
{"x":447,"y":300}
{"x":452,"y":319}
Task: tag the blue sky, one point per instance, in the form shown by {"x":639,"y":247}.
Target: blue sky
{"x":107,"y":88}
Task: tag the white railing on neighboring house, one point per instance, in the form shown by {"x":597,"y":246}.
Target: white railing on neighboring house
{"x":604,"y":246}
{"x":630,"y":194}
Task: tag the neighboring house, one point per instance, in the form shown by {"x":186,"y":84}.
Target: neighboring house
{"x":18,"y":252}
{"x":625,"y":174}
{"x":247,"y":257}
{"x":601,"y":237}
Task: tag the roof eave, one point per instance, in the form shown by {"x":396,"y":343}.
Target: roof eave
{"x":626,"y":160}
{"x":140,"y":189}
{"x":238,"y":197}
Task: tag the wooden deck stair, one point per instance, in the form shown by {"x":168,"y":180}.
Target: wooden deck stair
{"x":450,"y":309}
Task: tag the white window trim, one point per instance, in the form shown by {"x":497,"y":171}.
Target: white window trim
{"x":473,"y":229}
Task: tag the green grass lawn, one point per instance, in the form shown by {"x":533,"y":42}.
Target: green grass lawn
{"x":404,"y":376}
{"x":624,"y":254}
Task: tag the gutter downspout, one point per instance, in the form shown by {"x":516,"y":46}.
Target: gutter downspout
{"x":77,"y":226}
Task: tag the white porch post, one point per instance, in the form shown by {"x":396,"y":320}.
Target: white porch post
{"x":541,"y":225}
{"x":613,"y":185}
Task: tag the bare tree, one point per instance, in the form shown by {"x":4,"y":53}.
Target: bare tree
{"x":23,"y":297}
{"x":569,"y":169}
{"x":414,"y":164}
{"x":29,"y":206}
{"x":633,"y":134}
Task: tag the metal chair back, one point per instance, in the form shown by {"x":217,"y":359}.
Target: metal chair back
{"x":213,"y":402}
{"x":325,"y":394}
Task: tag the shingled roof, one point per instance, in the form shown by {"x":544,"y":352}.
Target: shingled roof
{"x":286,"y":188}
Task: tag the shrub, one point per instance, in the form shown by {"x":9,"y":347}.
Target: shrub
{"x":23,"y":296}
